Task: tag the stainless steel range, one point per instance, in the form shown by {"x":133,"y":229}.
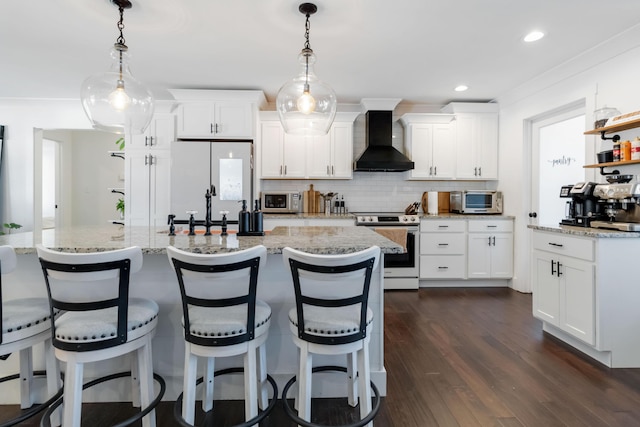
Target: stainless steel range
{"x":400,"y":270}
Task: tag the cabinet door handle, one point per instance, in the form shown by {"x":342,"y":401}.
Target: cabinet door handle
{"x":489,"y":240}
{"x":557,"y":245}
{"x":285,"y":169}
{"x":553,"y":264}
{"x":480,"y":171}
{"x":332,"y":171}
{"x":216,"y":128}
{"x":280,"y":169}
{"x":475,"y":171}
{"x":146,"y":159}
{"x":146,"y":138}
{"x":211,"y":128}
{"x":494,"y":240}
{"x":435,"y":170}
{"x":430,"y":170}
{"x":443,"y":268}
{"x":150,"y":159}
{"x":559,"y":272}
{"x":151,"y":141}
{"x":443,"y":244}
{"x":328,"y":173}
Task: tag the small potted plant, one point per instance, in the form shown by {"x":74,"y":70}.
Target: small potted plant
{"x":10,"y":226}
{"x":120,"y":207}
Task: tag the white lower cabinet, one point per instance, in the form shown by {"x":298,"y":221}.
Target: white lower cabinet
{"x":563,"y":282}
{"x":443,"y":251}
{"x":490,"y":249}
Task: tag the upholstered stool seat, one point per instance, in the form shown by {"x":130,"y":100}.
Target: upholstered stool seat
{"x":332,"y":317}
{"x":98,"y":321}
{"x":25,"y":323}
{"x":222,"y":317}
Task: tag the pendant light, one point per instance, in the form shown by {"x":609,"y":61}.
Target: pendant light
{"x":115,"y":101}
{"x":306,"y":105}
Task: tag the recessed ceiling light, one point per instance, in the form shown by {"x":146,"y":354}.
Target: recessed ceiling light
{"x":461,"y":88}
{"x":533,"y":36}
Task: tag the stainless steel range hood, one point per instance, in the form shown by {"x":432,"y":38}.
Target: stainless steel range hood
{"x":379,"y":154}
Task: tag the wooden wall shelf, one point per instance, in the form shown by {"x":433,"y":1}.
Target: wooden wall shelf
{"x":613,"y":164}
{"x":614,"y":128}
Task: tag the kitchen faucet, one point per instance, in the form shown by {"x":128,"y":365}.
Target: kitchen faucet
{"x":207,"y":222}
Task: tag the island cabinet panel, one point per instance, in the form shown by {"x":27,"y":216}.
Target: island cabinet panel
{"x":585,"y":291}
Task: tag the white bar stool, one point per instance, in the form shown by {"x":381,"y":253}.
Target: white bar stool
{"x":99,"y":321}
{"x":222,"y":317}
{"x":25,"y":323}
{"x":332,"y":317}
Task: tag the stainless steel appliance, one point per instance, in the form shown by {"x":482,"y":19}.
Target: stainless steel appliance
{"x":281,"y":201}
{"x":400,"y":270}
{"x":619,"y":202}
{"x":583,"y":208}
{"x":476,"y":202}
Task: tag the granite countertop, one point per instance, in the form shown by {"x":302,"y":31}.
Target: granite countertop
{"x":451,"y":215}
{"x":308,"y":216}
{"x":584,"y":231}
{"x":319,"y":240}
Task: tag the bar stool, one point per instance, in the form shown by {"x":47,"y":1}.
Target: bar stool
{"x":332,"y":317}
{"x":222,"y":317}
{"x":99,"y":321}
{"x":25,"y":323}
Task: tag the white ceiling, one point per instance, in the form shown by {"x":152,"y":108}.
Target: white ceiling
{"x":416,"y":50}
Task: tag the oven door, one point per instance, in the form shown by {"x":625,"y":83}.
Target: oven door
{"x":401,"y":270}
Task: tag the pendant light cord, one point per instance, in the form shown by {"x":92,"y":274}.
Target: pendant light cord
{"x":307,"y":47}
{"x":120,"y":43}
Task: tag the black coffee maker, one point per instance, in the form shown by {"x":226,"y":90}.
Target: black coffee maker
{"x":583,"y":206}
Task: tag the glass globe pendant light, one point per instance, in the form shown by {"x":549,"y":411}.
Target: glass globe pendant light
{"x":115,"y":101}
{"x":305,"y":104}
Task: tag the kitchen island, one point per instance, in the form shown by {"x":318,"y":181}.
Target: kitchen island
{"x":156,"y":280}
{"x":586,"y":290}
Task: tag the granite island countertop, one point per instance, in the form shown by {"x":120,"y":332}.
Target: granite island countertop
{"x":319,"y":240}
{"x":584,"y":231}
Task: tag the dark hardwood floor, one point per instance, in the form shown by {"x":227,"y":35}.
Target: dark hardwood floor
{"x":461,"y":357}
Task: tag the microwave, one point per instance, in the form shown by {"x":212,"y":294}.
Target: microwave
{"x":281,"y":201}
{"x":476,"y":202}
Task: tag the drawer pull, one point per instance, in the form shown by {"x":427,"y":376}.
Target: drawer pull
{"x":557,"y":245}
{"x":443,"y":226}
{"x":492,"y":226}
{"x":443,"y":244}
{"x":443,"y":268}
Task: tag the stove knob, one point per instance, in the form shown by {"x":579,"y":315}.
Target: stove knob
{"x":413,"y":219}
{"x":405,"y":219}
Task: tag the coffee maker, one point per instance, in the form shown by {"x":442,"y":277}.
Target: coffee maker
{"x":583,"y":208}
{"x":620,"y":204}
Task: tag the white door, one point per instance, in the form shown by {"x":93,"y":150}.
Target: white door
{"x":50,"y":183}
{"x":558,"y":154}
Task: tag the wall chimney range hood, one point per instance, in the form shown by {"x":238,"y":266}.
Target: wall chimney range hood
{"x":379,"y":154}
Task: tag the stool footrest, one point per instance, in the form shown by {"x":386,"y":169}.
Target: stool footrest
{"x":35,"y":409}
{"x":177,"y":411}
{"x":45,"y":422}
{"x":291,"y":413}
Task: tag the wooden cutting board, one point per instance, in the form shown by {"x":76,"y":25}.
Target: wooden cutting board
{"x":443,"y":202}
{"x":311,"y":200}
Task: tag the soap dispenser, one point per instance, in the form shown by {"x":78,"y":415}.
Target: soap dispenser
{"x":244,"y":219}
{"x":256,"y":218}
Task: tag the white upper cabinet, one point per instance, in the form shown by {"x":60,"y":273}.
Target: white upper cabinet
{"x":476,"y":140}
{"x":159,"y":135}
{"x":284,"y":156}
{"x":217,"y":114}
{"x":430,"y":143}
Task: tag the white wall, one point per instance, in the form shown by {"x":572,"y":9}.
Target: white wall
{"x":20,"y":117}
{"x":606,"y":75}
